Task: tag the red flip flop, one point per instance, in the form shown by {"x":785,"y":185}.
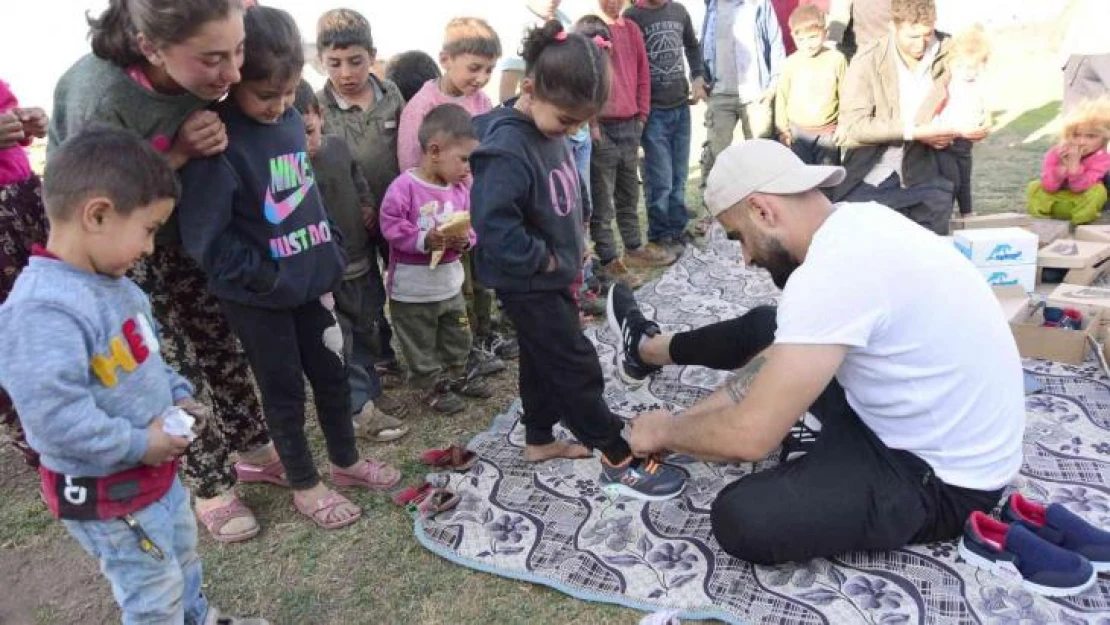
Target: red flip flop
{"x":427,"y":500}
{"x":453,"y":458}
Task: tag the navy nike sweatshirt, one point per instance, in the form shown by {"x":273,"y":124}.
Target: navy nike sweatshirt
{"x":525,"y":205}
{"x":253,"y":218}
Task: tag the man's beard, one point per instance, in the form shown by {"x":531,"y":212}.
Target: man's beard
{"x":778,"y":262}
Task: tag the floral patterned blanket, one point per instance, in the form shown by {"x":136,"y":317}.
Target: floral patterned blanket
{"x":550,"y":524}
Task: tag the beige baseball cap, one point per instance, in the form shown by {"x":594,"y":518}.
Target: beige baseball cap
{"x":762,"y":166}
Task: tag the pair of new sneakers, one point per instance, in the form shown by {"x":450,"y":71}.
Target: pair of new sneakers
{"x":1051,"y":550}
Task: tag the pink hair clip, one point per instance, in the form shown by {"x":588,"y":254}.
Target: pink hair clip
{"x":561,"y":36}
{"x":602,"y":42}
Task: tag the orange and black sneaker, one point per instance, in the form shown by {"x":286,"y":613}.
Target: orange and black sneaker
{"x":642,"y":478}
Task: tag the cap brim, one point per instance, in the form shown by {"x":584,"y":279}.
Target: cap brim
{"x":803,"y":179}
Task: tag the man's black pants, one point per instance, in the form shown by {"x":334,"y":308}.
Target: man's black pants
{"x":850,"y":492}
{"x":560,"y":376}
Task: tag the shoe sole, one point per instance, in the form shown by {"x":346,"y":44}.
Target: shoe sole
{"x":617,"y":489}
{"x":1007,"y":571}
{"x":618,"y":358}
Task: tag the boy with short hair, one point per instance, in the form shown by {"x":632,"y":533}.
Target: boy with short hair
{"x":365,"y":111}
{"x":807,"y":104}
{"x":346,"y":197}
{"x":83,"y":367}
{"x":410,"y":70}
{"x":666,"y":136}
{"x":470,"y":52}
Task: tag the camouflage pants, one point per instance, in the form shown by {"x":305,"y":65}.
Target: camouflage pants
{"x":22,"y":224}
{"x":198,"y":342}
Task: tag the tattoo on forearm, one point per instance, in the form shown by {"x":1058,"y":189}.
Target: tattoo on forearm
{"x":738,"y":386}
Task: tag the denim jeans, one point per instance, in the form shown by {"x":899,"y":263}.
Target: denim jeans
{"x":149,"y":590}
{"x":582,"y":149}
{"x":357,"y":311}
{"x":814,"y":149}
{"x":666,"y":144}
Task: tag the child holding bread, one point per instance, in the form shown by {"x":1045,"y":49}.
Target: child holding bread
{"x":425,"y":220}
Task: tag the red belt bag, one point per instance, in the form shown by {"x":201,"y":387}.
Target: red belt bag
{"x":108,"y":497}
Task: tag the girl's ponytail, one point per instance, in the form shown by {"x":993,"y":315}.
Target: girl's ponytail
{"x":567,"y":69}
{"x":113,"y":35}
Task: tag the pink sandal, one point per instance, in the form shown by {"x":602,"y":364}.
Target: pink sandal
{"x":216,"y":519}
{"x":271,"y":473}
{"x":372,"y":474}
{"x":325,"y":507}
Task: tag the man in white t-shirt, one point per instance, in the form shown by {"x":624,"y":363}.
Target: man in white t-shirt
{"x":884,"y":333}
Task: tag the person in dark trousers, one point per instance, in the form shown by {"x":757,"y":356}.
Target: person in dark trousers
{"x":920,"y":403}
{"x":526,"y":206}
{"x":254,"y":220}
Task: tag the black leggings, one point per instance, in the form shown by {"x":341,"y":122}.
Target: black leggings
{"x":850,"y":492}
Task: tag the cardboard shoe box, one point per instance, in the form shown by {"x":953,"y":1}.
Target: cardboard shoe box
{"x":1096,"y":233}
{"x":992,"y":247}
{"x":1048,"y":230}
{"x":1088,"y":300}
{"x":1024,"y":276}
{"x":1073,"y":254}
{"x":1034,"y":340}
{"x":996,"y":220}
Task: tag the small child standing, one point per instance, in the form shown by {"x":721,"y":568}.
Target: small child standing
{"x":347,"y":197}
{"x":807,"y":103}
{"x":470,"y":52}
{"x":365,"y":111}
{"x":22,"y":222}
{"x":1072,"y":184}
{"x":964,"y":109}
{"x":254,"y":221}
{"x":425,"y":297}
{"x":85,"y":370}
{"x":527,"y":205}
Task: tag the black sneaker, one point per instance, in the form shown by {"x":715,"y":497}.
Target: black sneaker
{"x":504,"y":347}
{"x":642,"y":478}
{"x":626,"y":320}
{"x":483,"y":362}
{"x":441,"y":399}
{"x":800,"y":440}
{"x":471,"y":384}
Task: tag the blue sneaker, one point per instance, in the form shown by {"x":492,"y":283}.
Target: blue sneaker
{"x":1014,"y":552}
{"x":642,"y":478}
{"x":1061,"y":527}
{"x":627,"y":322}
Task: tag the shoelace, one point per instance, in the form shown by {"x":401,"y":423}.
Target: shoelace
{"x":650,"y":466}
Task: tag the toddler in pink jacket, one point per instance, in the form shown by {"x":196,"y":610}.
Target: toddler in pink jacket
{"x":1072,"y":184}
{"x":425,"y":297}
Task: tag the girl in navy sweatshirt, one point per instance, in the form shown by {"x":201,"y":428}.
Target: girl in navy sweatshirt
{"x":253,"y":219}
{"x":526,"y":206}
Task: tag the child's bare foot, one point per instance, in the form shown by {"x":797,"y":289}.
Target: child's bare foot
{"x":557,"y":449}
{"x":325,"y":507}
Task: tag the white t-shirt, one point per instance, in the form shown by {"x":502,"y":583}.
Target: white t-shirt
{"x":932,"y":367}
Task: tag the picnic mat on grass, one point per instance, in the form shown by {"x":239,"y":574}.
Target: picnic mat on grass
{"x":550,"y":523}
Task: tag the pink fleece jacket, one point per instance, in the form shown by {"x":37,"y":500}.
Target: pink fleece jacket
{"x":14,"y":166}
{"x":429,"y":97}
{"x":1092,"y":169}
{"x":412,"y":208}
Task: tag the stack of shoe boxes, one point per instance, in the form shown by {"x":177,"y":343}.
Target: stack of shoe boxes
{"x":1005,"y":256}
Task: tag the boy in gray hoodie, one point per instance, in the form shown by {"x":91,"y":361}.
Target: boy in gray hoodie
{"x":84,"y":369}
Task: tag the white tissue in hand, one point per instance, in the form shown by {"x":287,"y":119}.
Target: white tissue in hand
{"x":177,"y":422}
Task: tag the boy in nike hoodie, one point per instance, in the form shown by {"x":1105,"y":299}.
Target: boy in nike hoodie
{"x":254,"y":221}
{"x":526,"y":206}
